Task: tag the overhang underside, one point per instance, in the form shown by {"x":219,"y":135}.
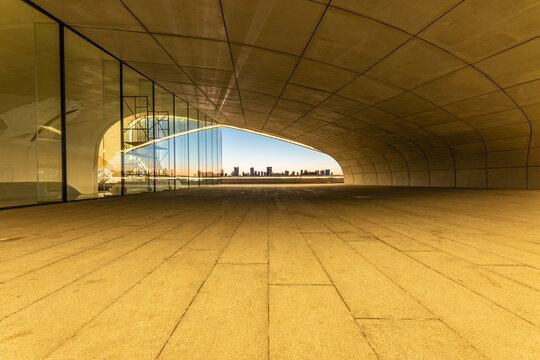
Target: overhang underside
{"x":412,"y":93}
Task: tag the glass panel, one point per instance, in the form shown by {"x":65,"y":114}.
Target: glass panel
{"x":209,"y":147}
{"x":220,"y":154}
{"x":202,"y":149}
{"x":207,"y":135}
{"x":164,"y":123}
{"x":93,"y":155}
{"x":48,"y":136}
{"x":215,"y":153}
{"x":193,"y":140}
{"x":30,"y":130}
{"x":181,"y":143}
{"x":138,"y":132}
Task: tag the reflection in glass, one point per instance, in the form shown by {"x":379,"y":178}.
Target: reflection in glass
{"x":209,"y":169}
{"x":181,"y":143}
{"x":124,"y":134}
{"x":214,"y":156}
{"x":193,"y":151}
{"x":139,"y":150}
{"x":30,"y":126}
{"x":217,"y":154}
{"x":202,"y":149}
{"x":92,"y":114}
{"x":164,"y":123}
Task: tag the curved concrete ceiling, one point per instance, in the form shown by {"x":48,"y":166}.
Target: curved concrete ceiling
{"x":416,"y":92}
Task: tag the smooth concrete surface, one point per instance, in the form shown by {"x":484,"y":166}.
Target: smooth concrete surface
{"x":400,"y":92}
{"x":274,"y":272}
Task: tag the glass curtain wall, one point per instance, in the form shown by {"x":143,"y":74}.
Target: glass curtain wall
{"x":30,"y":126}
{"x":123,"y":133}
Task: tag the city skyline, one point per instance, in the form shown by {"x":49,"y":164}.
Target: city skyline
{"x":270,"y":172}
{"x":245,"y":150}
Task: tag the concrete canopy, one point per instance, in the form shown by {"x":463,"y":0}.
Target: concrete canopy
{"x":417,"y":92}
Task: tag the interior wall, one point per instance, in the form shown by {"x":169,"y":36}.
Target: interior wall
{"x":448,"y":96}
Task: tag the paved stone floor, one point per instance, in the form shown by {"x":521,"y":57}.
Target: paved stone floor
{"x":291,"y":272}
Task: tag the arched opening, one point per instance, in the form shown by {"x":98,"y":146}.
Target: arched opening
{"x":255,"y":157}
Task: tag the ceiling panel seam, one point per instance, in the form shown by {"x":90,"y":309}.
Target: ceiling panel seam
{"x":169,"y":55}
{"x":232,"y":62}
{"x":297,"y":62}
{"x":413,"y":36}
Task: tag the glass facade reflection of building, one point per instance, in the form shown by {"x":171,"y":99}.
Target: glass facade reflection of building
{"x":76,"y":123}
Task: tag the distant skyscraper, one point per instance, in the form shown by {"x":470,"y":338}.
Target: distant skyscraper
{"x":286,"y":172}
{"x":327,"y":172}
{"x":269,"y":171}
{"x":236,"y":171}
{"x":251,"y":171}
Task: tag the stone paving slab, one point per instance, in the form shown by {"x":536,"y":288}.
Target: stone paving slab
{"x":274,"y":272}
